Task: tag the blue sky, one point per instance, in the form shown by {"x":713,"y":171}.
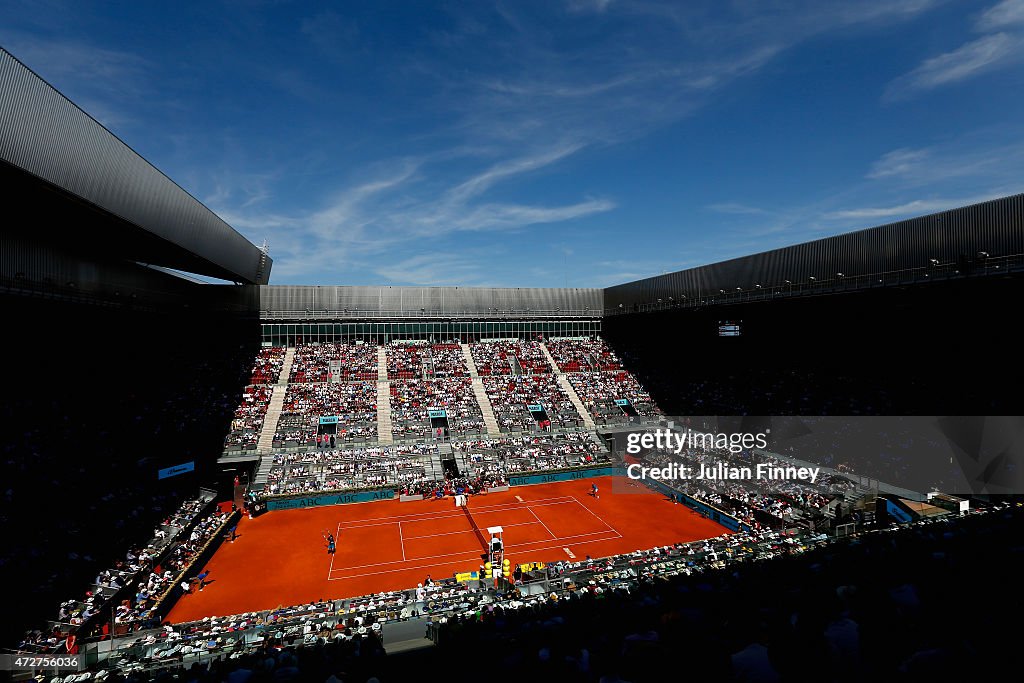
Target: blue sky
{"x":574,"y":143}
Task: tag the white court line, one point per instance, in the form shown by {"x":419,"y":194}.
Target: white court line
{"x":510,"y":507}
{"x":565,"y":538}
{"x":413,"y":516}
{"x":519,"y":498}
{"x":468,"y":558}
{"x":462,"y":531}
{"x":541,"y":523}
{"x":401,"y":539}
{"x":595,"y":516}
{"x":430,"y":517}
{"x":507,"y":547}
{"x":456,"y":514}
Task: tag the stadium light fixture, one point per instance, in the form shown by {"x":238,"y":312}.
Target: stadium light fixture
{"x":840,"y":275}
{"x":813,"y":278}
{"x":933,"y":261}
{"x":983,"y":254}
{"x":757,"y":286}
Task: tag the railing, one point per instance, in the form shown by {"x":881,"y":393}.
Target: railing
{"x":420,"y":314}
{"x":817,"y":286}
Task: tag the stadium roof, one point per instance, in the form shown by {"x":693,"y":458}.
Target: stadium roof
{"x":152,"y":220}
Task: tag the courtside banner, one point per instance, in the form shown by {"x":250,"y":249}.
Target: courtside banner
{"x":331,"y":499}
{"x":176,"y":470}
{"x":568,"y":475}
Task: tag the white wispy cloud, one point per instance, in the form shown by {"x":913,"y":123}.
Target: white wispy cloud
{"x":106,"y":83}
{"x":1003,"y":44}
{"x":1005,"y":14}
{"x":737,"y":208}
{"x":899,"y":162}
{"x":480,"y":183}
{"x":911,"y":208}
{"x":492,"y":216}
{"x":589,"y":5}
{"x":400,"y":208}
{"x":435,"y":269}
{"x":980,"y":159}
{"x":967,"y":61}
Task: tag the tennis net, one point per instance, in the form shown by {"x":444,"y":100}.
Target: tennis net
{"x":472,"y":522}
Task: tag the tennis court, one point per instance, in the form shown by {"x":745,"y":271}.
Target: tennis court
{"x":281,"y":558}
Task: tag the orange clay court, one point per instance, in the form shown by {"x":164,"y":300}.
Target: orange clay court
{"x":281,"y":558}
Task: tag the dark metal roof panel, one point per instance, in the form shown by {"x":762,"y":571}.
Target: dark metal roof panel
{"x":45,"y":134}
{"x":995,"y":227}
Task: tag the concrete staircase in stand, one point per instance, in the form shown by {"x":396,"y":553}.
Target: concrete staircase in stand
{"x":551,"y":360}
{"x":382,"y":364}
{"x":266,"y":440}
{"x":485,"y":407}
{"x":469,"y":360}
{"x":286,"y":367}
{"x":563,"y":381}
{"x":384,"y":428}
{"x":384,"y":434}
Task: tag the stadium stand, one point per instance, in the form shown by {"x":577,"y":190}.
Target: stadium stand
{"x":313,"y":363}
{"x":599,"y":392}
{"x":355,"y":403}
{"x":267,"y":366}
{"x":411,"y":400}
{"x":347,"y":469}
{"x":583,"y":355}
{"x":249,"y":416}
{"x":407,"y":361}
{"x":447,"y":360}
{"x":511,"y":397}
{"x":509,"y":357}
{"x":668,"y":594}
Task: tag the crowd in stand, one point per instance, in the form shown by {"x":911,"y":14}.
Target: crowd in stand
{"x":411,"y":400}
{"x":448,"y":360}
{"x":509,"y":357}
{"x":810,"y":604}
{"x":354,"y":403}
{"x":313,"y":363}
{"x":502,"y":457}
{"x":904,"y":448}
{"x":583,"y":355}
{"x":780,"y":498}
{"x":249,"y":417}
{"x":343,"y":469}
{"x":80,"y":463}
{"x":821,"y":610}
{"x":511,"y":397}
{"x":410,"y":467}
{"x":600,"y":390}
{"x":406,"y":361}
{"x":267,"y":366}
{"x":138,"y":567}
{"x":451,"y":486}
{"x":334,"y":379}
